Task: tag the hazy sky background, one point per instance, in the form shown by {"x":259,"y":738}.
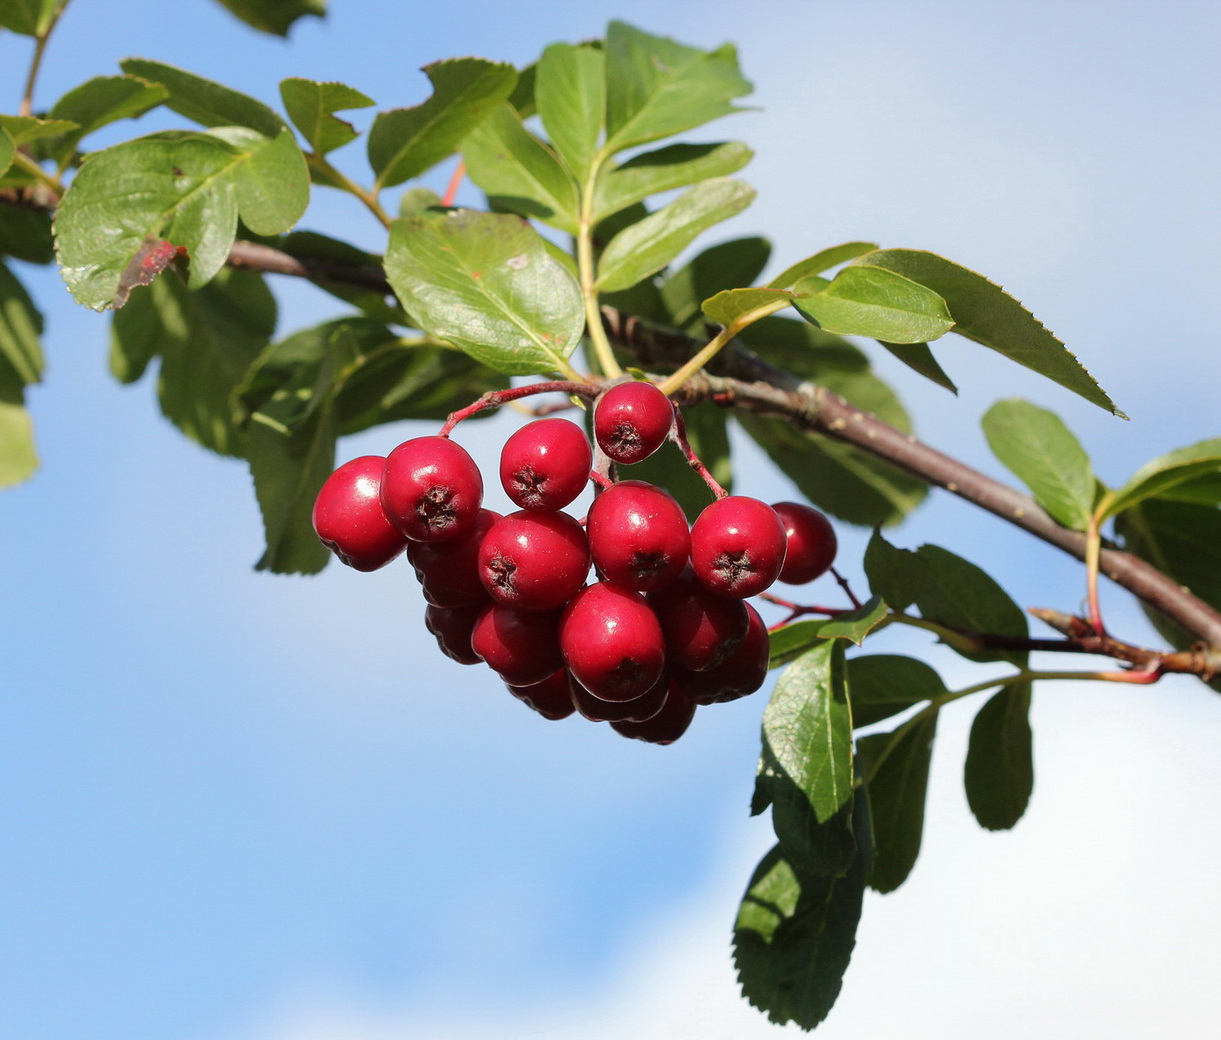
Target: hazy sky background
{"x":244,"y":807}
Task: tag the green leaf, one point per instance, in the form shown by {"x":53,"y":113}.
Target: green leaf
{"x":985,"y":313}
{"x":656,"y":87}
{"x":807,"y":728}
{"x":26,"y":234}
{"x":8,"y":148}
{"x":959,"y":595}
{"x":20,"y":327}
{"x":821,"y":261}
{"x":726,"y":265}
{"x":668,"y":468}
{"x":665,"y":169}
{"x":855,"y":625}
{"x":486,"y":283}
{"x":999,"y":772}
{"x":1165,"y":473}
{"x":273,"y":183}
{"x":882,"y":685}
{"x":205,"y":101}
{"x":791,"y":641}
{"x":206,"y":340}
{"x":405,"y":142}
{"x":1043,"y":453}
{"x":898,"y":787}
{"x":100,"y":101}
{"x":27,"y":129}
{"x":570,"y":93}
{"x":29,"y":17}
{"x":794,"y":936}
{"x":729,"y":306}
{"x":518,"y":172}
{"x":1203,"y":490}
{"x":874,"y":302}
{"x":894,"y":574}
{"x":274,"y":16}
{"x":648,"y":245}
{"x":312,"y":105}
{"x":837,"y":478}
{"x":920,"y":360}
{"x":18,"y":457}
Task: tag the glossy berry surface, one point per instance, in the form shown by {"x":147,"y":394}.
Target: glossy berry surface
{"x":431,"y":489}
{"x":612,"y":642}
{"x":550,"y":698}
{"x":811,"y":543}
{"x":522,"y":646}
{"x":545,"y":464}
{"x":453,"y":630}
{"x":638,"y":709}
{"x":348,"y":516}
{"x":701,"y":629}
{"x":631,"y":421}
{"x":638,"y":535}
{"x":534,"y":561}
{"x":449,"y":570}
{"x":670,"y":723}
{"x":740,"y":674}
{"x":737,"y":546}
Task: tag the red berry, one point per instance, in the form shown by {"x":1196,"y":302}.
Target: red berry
{"x":522,"y":646}
{"x":534,"y":561}
{"x":667,"y":725}
{"x":453,"y":630}
{"x":431,"y":489}
{"x":632,"y":420}
{"x":348,"y":516}
{"x":638,"y":709}
{"x":701,"y":628}
{"x":737,"y":546}
{"x":638,"y":535}
{"x":741,"y":673}
{"x":545,"y":464}
{"x":612,"y":642}
{"x":449,"y":571}
{"x":550,"y":698}
{"x":811,"y":543}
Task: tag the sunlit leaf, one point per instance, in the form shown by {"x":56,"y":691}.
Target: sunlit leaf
{"x":821,"y":261}
{"x":205,"y":101}
{"x":29,"y":17}
{"x":1165,"y":473}
{"x":312,"y":106}
{"x":100,"y":101}
{"x":665,"y":169}
{"x":873,"y":302}
{"x":570,"y":94}
{"x":729,"y":306}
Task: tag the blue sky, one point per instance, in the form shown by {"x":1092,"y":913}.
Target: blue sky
{"x":239,"y":807}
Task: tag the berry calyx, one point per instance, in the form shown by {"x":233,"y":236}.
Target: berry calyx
{"x":811,"y":543}
{"x":522,"y":646}
{"x":631,"y":421}
{"x":431,"y":489}
{"x":612,"y":642}
{"x":737,"y":546}
{"x":534,"y":561}
{"x":701,"y":628}
{"x":545,"y":464}
{"x":348,"y":516}
{"x":638,"y":535}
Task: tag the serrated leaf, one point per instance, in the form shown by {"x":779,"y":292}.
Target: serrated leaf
{"x":205,"y":101}
{"x":665,"y":169}
{"x":999,"y":771}
{"x":894,"y":574}
{"x":405,"y":142}
{"x":794,"y":937}
{"x":206,"y":341}
{"x":274,"y":16}
{"x":898,"y":788}
{"x":29,"y":17}
{"x":26,"y":235}
{"x":570,"y":94}
{"x":1164,"y":473}
{"x":807,"y":728}
{"x":518,"y":172}
{"x":100,"y":101}
{"x":648,"y":245}
{"x":728,"y":307}
{"x":1043,"y":453}
{"x":985,"y":313}
{"x":726,"y":265}
{"x":487,"y":284}
{"x":823,"y":260}
{"x":656,"y":87}
{"x":882,"y":685}
{"x":961,"y":596}
{"x":312,"y":105}
{"x":855,"y":625}
{"x":26,"y":129}
{"x":272,"y":184}
{"x":919,"y":358}
{"x":873,"y":302}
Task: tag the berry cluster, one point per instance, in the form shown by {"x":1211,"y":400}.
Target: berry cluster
{"x":663,"y":628}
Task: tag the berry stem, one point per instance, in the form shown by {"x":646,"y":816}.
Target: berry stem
{"x":679,"y":435}
{"x":455,"y":180}
{"x":601,"y":479}
{"x":495,"y":398}
{"x":843,"y":584}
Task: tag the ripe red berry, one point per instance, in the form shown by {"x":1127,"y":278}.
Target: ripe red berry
{"x":632,"y":420}
{"x":667,"y":725}
{"x":638,"y":709}
{"x":737,"y":546}
{"x":741,"y":673}
{"x":431,"y":489}
{"x":348,"y":516}
{"x":811,"y":543}
{"x":638,"y":535}
{"x":449,"y":571}
{"x":550,"y":698}
{"x":701,"y":628}
{"x":453,"y":629}
{"x":545,"y":464}
{"x":522,"y":646}
{"x":534,"y":561}
{"x":612,"y":642}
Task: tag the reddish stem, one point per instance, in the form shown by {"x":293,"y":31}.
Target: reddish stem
{"x":495,"y":398}
{"x":601,"y":479}
{"x":451,"y":192}
{"x":679,"y":435}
